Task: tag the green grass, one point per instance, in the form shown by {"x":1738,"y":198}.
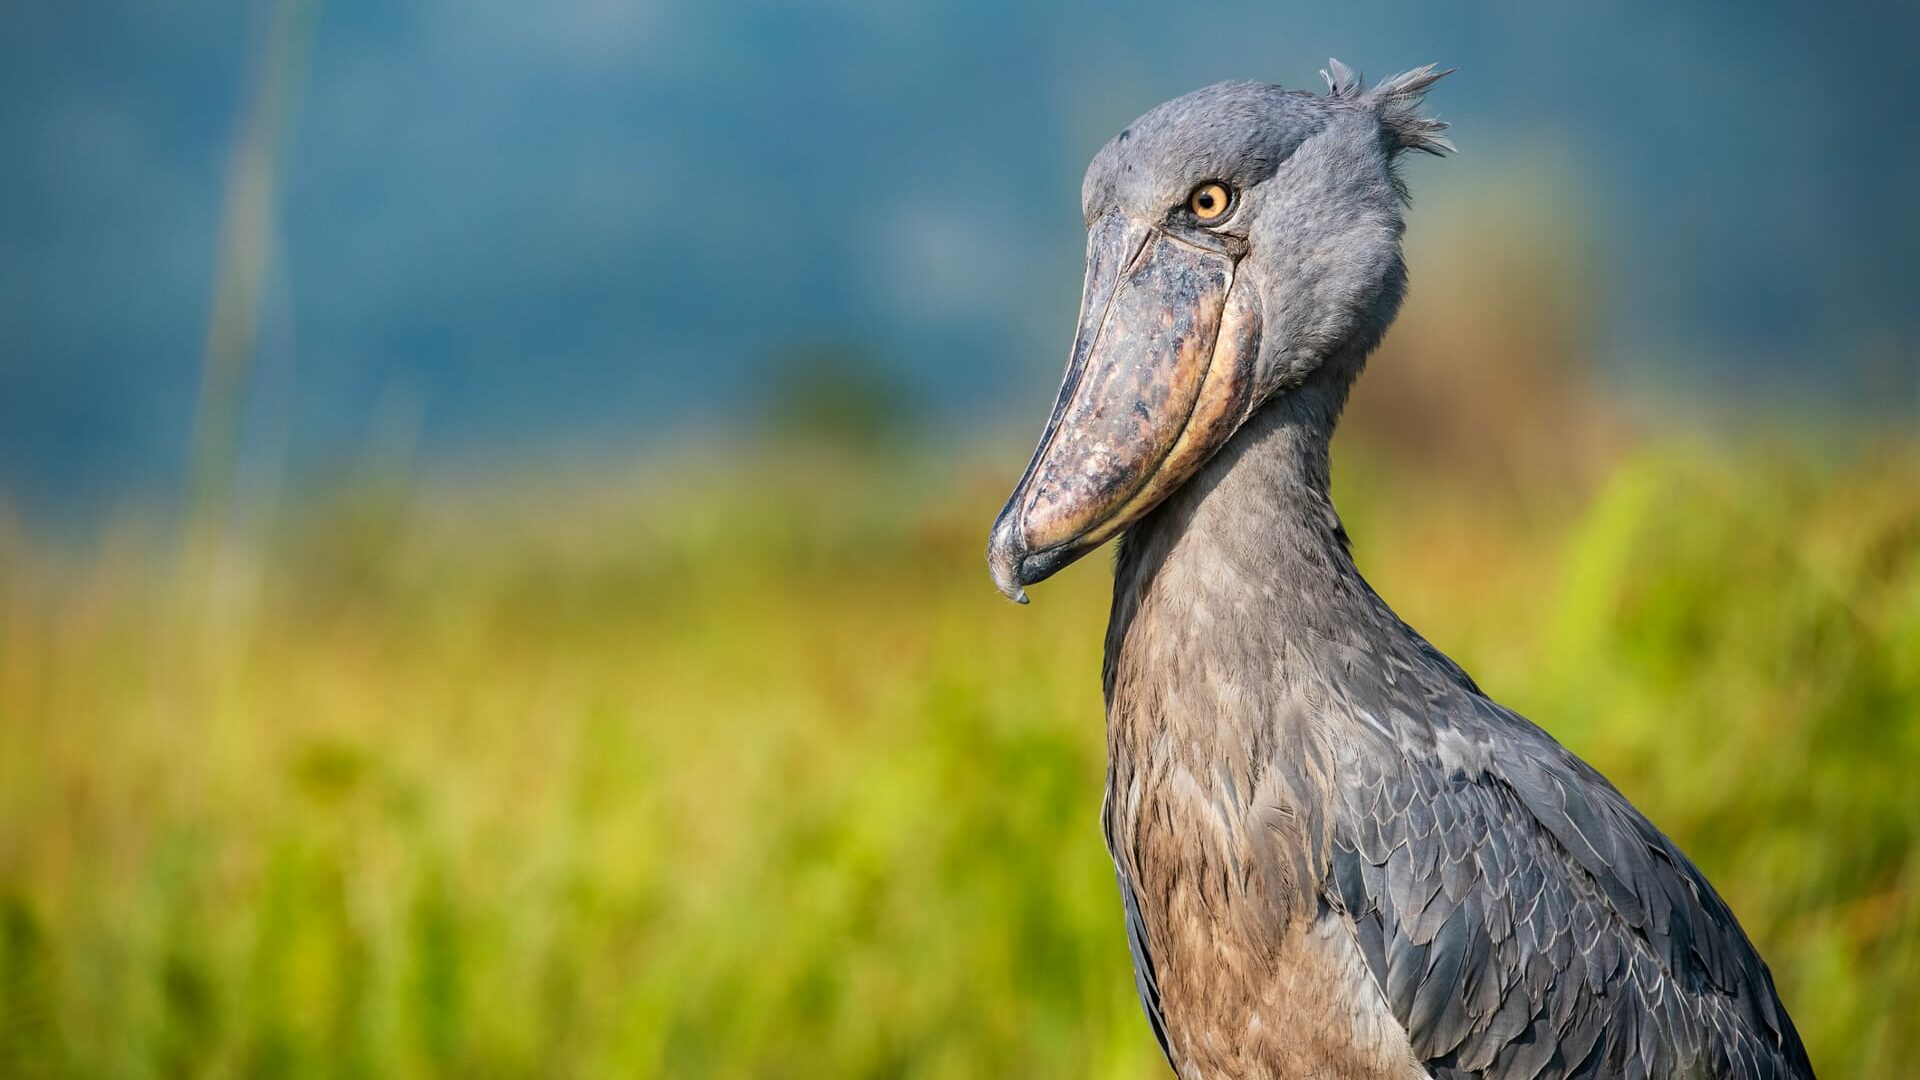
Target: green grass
{"x":750,"y":772}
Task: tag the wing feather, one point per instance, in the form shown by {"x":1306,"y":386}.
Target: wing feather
{"x":1523,"y":920}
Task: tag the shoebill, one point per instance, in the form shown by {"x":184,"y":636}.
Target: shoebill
{"x":1337,"y":856}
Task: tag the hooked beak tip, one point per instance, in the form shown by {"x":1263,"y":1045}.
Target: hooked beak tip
{"x":1005,"y":552}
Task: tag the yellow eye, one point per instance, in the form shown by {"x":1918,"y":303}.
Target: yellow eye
{"x":1209,"y":201}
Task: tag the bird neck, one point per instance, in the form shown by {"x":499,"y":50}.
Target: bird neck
{"x":1245,"y":569}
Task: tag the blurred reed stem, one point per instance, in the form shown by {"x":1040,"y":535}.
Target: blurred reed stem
{"x":249,"y":211}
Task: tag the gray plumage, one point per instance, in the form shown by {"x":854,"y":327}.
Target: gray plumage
{"x":1337,"y":856}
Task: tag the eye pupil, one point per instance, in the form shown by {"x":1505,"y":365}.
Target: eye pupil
{"x":1208,"y":201}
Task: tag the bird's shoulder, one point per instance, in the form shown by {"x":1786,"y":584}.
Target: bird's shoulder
{"x":1519,"y":914}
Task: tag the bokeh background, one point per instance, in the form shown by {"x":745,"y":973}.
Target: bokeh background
{"x":491,"y":503}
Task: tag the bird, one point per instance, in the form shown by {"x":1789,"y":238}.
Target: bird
{"x":1337,"y":856}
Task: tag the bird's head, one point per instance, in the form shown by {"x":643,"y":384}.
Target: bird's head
{"x":1240,"y":240}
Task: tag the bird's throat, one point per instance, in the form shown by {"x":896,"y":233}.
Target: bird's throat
{"x":1247,"y":562}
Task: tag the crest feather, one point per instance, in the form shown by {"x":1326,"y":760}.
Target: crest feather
{"x":1342,"y":81}
{"x":1397,"y":100}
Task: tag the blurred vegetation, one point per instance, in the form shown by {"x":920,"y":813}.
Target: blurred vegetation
{"x":825,"y":397}
{"x":750,"y":772}
{"x":739,"y":766}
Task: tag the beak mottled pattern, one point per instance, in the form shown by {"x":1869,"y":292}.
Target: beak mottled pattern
{"x":1158,"y":377}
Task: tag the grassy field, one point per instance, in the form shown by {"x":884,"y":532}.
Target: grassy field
{"x":746,"y":771}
